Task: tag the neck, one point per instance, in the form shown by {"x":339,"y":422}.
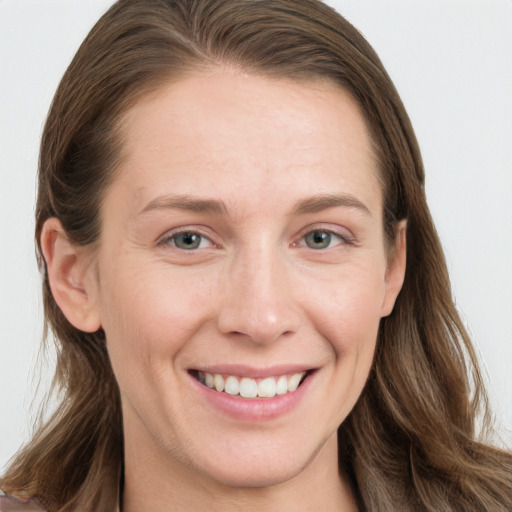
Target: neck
{"x":159,"y":483}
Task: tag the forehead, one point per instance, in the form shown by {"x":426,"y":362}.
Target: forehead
{"x":208,"y":130}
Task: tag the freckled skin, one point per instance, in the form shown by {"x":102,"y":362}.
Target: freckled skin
{"x":254,"y":292}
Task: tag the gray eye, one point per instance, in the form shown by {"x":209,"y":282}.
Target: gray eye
{"x":187,"y":241}
{"x":318,"y":239}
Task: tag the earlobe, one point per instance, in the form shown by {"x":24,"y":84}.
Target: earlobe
{"x":69,"y":273}
{"x":395,"y":272}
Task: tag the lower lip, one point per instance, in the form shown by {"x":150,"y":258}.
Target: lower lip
{"x":254,"y":409}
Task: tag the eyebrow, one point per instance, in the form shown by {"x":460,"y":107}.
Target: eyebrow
{"x":322,"y":202}
{"x":188,"y":203}
{"x":312,"y":204}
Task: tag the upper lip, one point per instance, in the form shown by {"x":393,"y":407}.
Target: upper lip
{"x":252,"y":371}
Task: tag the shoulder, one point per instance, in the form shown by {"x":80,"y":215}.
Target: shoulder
{"x":12,"y":504}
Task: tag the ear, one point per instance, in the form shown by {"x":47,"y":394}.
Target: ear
{"x":70,"y":274}
{"x":395,"y":272}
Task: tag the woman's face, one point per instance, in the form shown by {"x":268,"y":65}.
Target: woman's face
{"x":242,"y":252}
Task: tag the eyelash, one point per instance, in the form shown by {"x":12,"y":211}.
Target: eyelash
{"x":170,"y":239}
{"x":344,"y":239}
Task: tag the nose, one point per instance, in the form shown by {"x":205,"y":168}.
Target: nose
{"x":257,"y":302}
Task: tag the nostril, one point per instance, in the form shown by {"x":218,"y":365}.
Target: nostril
{"x":257,"y":328}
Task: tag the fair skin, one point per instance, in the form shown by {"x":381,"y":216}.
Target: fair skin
{"x":242,"y":238}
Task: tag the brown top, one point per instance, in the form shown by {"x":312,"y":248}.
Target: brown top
{"x":12,"y":504}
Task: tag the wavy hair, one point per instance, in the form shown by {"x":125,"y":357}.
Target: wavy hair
{"x":410,"y":443}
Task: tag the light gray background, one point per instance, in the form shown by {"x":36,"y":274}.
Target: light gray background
{"x":451,"y":61}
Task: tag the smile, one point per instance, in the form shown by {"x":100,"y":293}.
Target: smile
{"x":248,"y":387}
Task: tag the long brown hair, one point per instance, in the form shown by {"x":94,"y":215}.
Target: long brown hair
{"x":410,"y":442}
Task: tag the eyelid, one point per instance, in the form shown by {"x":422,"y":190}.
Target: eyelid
{"x":171,"y":233}
{"x":334,"y":236}
{"x":343,"y":233}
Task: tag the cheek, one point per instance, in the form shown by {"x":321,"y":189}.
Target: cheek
{"x":151,"y":313}
{"x":346,"y":308}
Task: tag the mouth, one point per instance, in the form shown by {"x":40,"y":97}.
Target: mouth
{"x":248,"y":387}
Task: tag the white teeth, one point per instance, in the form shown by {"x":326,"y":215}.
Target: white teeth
{"x":232,"y":386}
{"x":294,"y":381}
{"x":248,"y":388}
{"x":218,"y":382}
{"x":267,"y":388}
{"x":282,"y":385}
{"x":251,"y":388}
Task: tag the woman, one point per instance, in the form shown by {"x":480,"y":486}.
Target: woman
{"x":228,"y":195}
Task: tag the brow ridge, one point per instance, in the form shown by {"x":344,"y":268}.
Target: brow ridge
{"x":188,"y":203}
{"x":314,"y":204}
{"x":322,"y":202}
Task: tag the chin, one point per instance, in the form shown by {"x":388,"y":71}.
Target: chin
{"x":251,"y":475}
{"x":264,"y":466}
